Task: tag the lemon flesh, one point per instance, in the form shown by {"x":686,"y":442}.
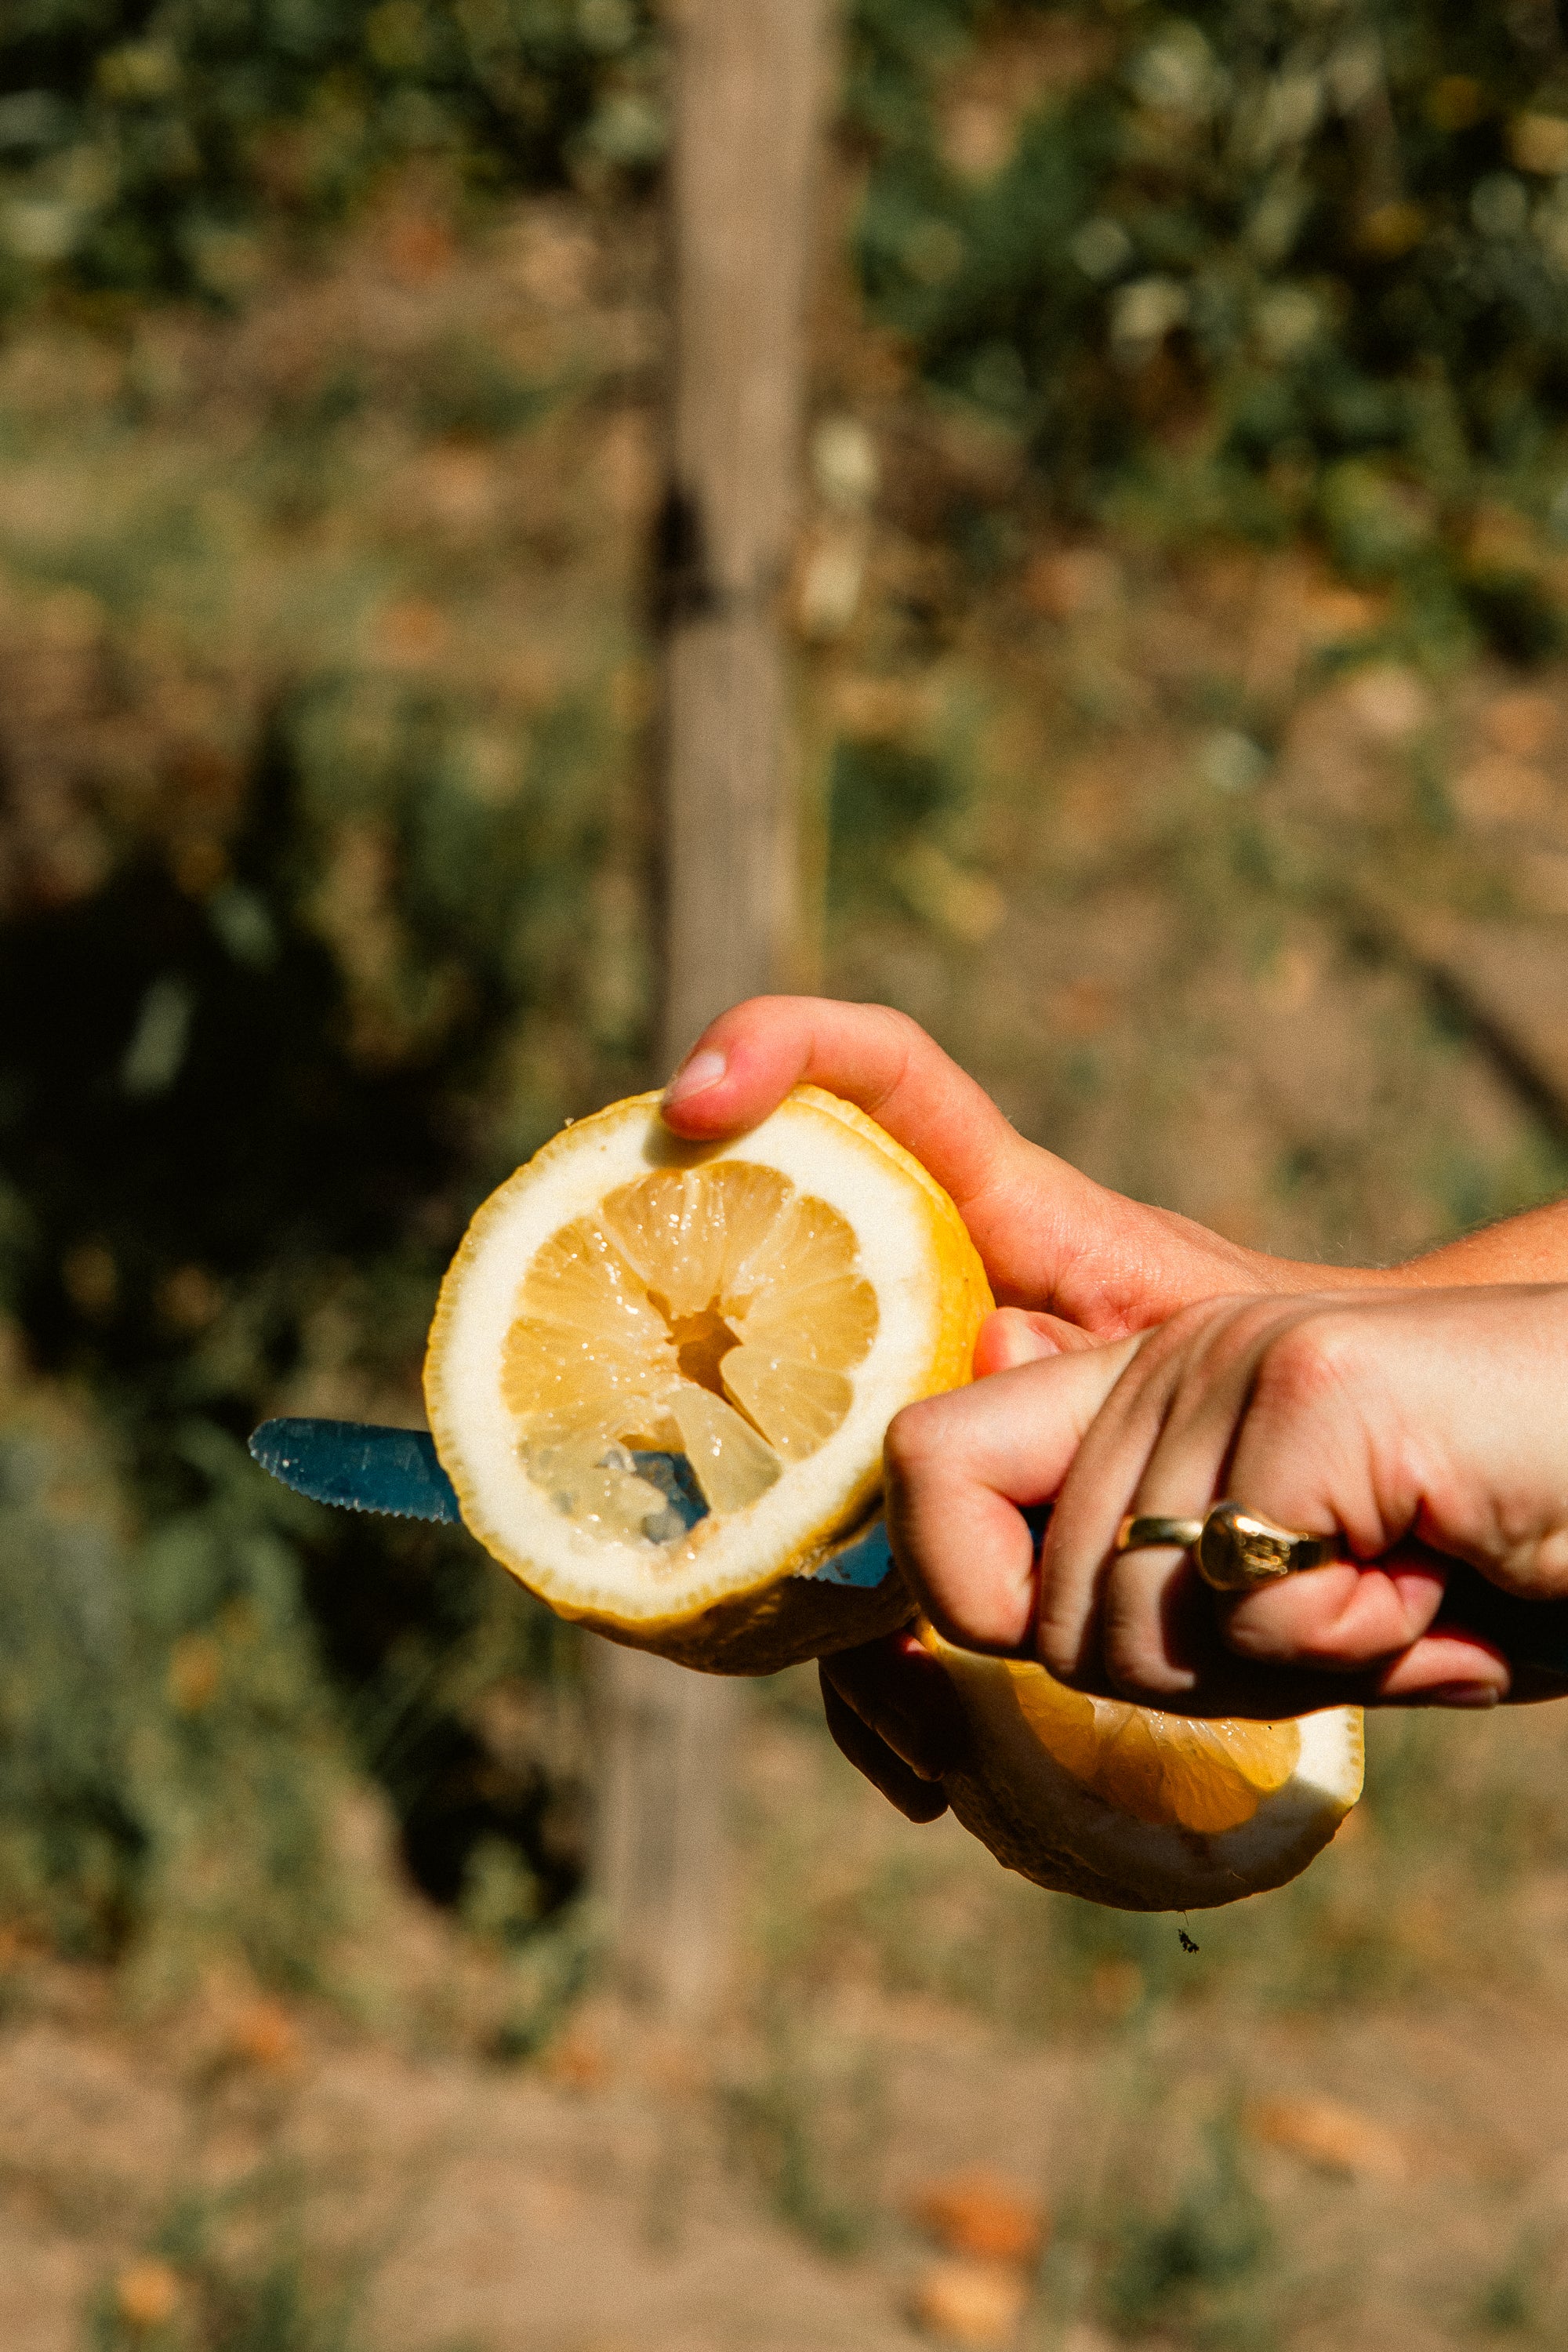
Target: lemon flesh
{"x":754,"y":1313}
{"x":1136,"y":1807}
{"x":713,"y":1312}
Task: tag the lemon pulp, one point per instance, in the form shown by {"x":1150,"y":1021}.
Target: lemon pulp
{"x":1179,"y":1770}
{"x":714,"y":1312}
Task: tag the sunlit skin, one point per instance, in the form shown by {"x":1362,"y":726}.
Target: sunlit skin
{"x":1384,"y":1401}
{"x":1411,"y":1422}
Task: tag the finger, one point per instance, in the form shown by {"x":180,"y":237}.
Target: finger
{"x":1137,"y":1622}
{"x":1012,"y":1337}
{"x":1326,"y":1426}
{"x":1029,"y":1212}
{"x":1102,"y":1614}
{"x":1207,"y":1446}
{"x":1338,"y":1617}
{"x":1157,"y":1638}
{"x":1382,"y":1617}
{"x":1046,"y":1231}
{"x":959,"y":1468}
{"x":917,"y":1800}
{"x":1446,"y":1668}
{"x":745,"y":1063}
{"x":901,"y":1692}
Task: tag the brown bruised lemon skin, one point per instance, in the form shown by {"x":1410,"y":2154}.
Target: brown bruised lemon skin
{"x":814,"y":1279}
{"x":796,"y":1618}
{"x":1134,"y":1808}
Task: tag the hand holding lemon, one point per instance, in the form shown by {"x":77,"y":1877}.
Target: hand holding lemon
{"x":1419,"y":1428}
{"x":658,"y":1379}
{"x":1075,"y":1265}
{"x":670,"y":1349}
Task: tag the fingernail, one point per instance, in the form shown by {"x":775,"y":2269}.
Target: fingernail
{"x":695,"y":1076}
{"x":1463,"y":1695}
{"x":1021,"y":1343}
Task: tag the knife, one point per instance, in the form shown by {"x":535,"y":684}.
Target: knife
{"x":359,"y":1467}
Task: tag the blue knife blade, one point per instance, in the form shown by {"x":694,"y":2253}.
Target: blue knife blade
{"x":358,"y":1466}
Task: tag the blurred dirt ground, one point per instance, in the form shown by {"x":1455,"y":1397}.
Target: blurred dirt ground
{"x":1214,"y":2155}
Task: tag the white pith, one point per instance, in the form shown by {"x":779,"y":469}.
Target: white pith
{"x":1171,"y":1867}
{"x":814,"y":1499}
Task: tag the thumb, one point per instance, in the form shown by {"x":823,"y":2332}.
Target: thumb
{"x":1014,"y":1336}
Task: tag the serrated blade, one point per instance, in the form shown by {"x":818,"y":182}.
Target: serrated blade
{"x":864,"y":1563}
{"x":357,"y":1466}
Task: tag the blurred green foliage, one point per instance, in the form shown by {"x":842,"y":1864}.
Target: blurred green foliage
{"x":1258,"y":263}
{"x":141,"y":147}
{"x":358,"y":950}
{"x":1192,"y":2263}
{"x":883,"y":800}
{"x":339,"y":958}
{"x":236,"y":2272}
{"x":807,"y":2117}
{"x":1279,"y":260}
{"x":166,"y":1757}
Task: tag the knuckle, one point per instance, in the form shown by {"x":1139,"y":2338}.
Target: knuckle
{"x":1198,"y":1337}
{"x":1305,"y":1367}
{"x":914,"y":1437}
{"x":750,"y":1012}
{"x":1177,"y":1334}
{"x":901,"y":1025}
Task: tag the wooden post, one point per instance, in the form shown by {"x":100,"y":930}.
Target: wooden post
{"x":747,"y":90}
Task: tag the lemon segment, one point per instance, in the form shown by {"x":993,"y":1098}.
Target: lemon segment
{"x":758,"y":1310}
{"x":1197,"y":1773}
{"x":796,"y":1404}
{"x":1138,"y":1807}
{"x":732,"y":1464}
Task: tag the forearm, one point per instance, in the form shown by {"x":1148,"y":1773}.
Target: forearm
{"x":1531,"y":1248}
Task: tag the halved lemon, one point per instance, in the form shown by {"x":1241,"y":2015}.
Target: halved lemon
{"x":1134,"y":1807}
{"x":660,"y":1372}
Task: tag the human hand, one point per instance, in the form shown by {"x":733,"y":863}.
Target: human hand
{"x":1067,"y":1259}
{"x":1074,"y":1263}
{"x":1070,"y":1262}
{"x":1420,"y":1428}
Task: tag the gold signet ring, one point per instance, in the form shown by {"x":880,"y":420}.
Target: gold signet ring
{"x":1237,"y":1550}
{"x":1144,"y":1535}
